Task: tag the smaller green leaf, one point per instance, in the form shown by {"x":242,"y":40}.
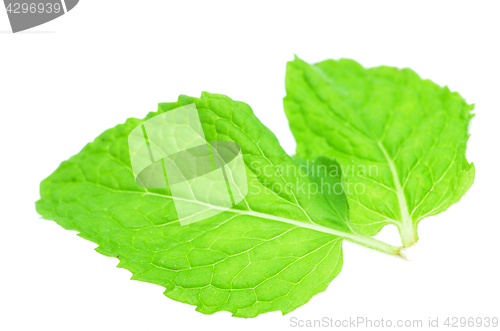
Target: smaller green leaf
{"x":400,"y":140}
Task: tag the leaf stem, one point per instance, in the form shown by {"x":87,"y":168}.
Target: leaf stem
{"x":377,"y":245}
{"x":408,"y":233}
{"x":354,"y":236}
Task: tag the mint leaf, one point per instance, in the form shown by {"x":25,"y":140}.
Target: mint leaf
{"x":400,"y":140}
{"x":274,"y":250}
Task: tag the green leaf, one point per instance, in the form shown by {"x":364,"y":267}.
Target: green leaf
{"x":274,"y":250}
{"x":400,"y":140}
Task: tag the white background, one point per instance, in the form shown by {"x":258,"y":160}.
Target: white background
{"x":63,"y":83}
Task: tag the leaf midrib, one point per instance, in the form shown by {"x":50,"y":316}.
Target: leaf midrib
{"x":353,"y":236}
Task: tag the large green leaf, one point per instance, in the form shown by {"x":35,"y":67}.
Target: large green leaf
{"x":400,"y":140}
{"x":273,"y":251}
